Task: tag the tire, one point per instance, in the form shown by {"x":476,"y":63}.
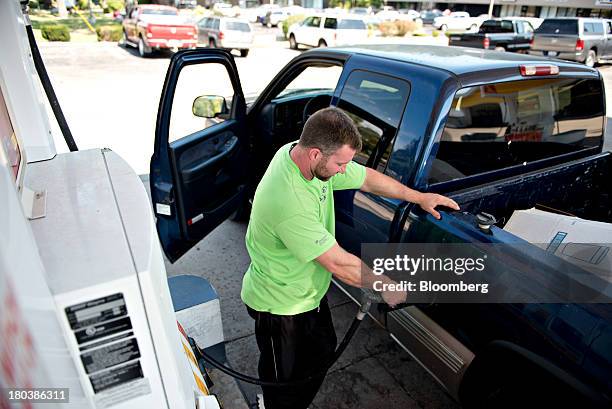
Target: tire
{"x":443,"y":27}
{"x":292,"y":43}
{"x":322,"y":43}
{"x":142,"y":48}
{"x":244,"y":52}
{"x":591,"y":59}
{"x":212,"y":43}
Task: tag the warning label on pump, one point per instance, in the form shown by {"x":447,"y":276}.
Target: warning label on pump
{"x":110,"y":355}
{"x":102,"y":330}
{"x":122,"y":393}
{"x":117,"y":376}
{"x":95,"y":311}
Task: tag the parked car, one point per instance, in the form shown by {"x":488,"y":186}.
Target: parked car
{"x":225,"y":9}
{"x":276,"y":16}
{"x":226,"y":32}
{"x":322,"y":30}
{"x":497,"y":34}
{"x":586,"y":40}
{"x":154,"y":27}
{"x":429,"y":16}
{"x":458,"y":20}
{"x":493,"y":131}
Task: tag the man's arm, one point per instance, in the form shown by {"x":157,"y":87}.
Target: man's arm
{"x":351,"y":270}
{"x":383,"y":185}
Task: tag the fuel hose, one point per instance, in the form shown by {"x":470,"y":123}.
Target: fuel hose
{"x":365,"y":306}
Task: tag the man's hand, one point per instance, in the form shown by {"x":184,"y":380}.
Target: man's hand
{"x":429,"y":201}
{"x":394,"y":298}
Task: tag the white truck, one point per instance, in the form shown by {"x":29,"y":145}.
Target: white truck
{"x":86,"y":316}
{"x":458,"y":20}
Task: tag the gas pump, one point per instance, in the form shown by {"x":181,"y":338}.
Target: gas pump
{"x":86,"y":317}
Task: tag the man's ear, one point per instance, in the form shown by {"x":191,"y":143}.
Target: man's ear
{"x":314,"y":154}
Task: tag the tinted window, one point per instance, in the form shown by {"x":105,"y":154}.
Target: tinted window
{"x":554,"y":26}
{"x":491,"y":127}
{"x":237,"y":26}
{"x":376,"y":103}
{"x":609,"y":27}
{"x":492,"y":26}
{"x":352,"y":25}
{"x":314,"y":22}
{"x":330,"y":23}
{"x":215,"y":24}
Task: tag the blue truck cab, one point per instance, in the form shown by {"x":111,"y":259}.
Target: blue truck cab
{"x":497,"y":132}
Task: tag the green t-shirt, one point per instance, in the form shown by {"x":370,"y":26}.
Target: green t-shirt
{"x":292,"y":223}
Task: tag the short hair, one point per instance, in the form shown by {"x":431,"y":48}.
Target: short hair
{"x":328,"y":130}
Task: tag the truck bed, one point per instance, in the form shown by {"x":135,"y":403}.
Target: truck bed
{"x":581,"y":188}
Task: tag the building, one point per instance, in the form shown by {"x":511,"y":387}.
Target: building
{"x":523,"y":8}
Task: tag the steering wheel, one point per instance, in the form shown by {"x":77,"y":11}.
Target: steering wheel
{"x":314,"y":104}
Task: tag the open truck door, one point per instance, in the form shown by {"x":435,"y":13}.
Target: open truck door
{"x":199,"y":165}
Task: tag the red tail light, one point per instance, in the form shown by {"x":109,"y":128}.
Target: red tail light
{"x":221,"y":35}
{"x":579,"y":45}
{"x":486,"y":42}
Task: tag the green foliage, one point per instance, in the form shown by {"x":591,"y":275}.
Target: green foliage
{"x":435,"y":33}
{"x":109,"y":32}
{"x":57,"y":32}
{"x":82,"y":4}
{"x":291,"y":20}
{"x":113,"y":5}
{"x":34,"y":4}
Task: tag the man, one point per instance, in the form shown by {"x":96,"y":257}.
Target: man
{"x":294,"y":254}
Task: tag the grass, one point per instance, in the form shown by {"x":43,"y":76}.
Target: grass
{"x":79,"y":32}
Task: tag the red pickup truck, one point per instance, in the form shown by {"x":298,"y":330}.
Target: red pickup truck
{"x":153,"y":27}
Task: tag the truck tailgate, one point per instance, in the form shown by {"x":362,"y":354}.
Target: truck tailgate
{"x":173,"y":32}
{"x":467,"y":40}
{"x":550,"y":42}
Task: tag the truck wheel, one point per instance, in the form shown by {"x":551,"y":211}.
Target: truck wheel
{"x":591,"y":59}
{"x":244,"y":53}
{"x":292,"y":43}
{"x":443,"y":27}
{"x":143,"y":50}
{"x":322,"y":43}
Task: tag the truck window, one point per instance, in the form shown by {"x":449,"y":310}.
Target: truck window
{"x":496,"y":26}
{"x":558,"y":26}
{"x":497,"y":126}
{"x":376,"y":103}
{"x":313,"y":79}
{"x":8,"y":139}
{"x":330,"y":23}
{"x":193,"y":82}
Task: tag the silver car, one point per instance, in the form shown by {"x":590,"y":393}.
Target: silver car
{"x":226,"y":32}
{"x":586,"y":40}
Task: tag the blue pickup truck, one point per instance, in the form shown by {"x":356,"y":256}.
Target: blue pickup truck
{"x":497,"y":132}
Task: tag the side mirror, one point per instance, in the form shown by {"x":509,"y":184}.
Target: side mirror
{"x":209,"y":106}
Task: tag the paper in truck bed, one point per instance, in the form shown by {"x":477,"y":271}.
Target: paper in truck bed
{"x":584,"y":243}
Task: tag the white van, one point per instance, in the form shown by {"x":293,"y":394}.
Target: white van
{"x":322,"y":30}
